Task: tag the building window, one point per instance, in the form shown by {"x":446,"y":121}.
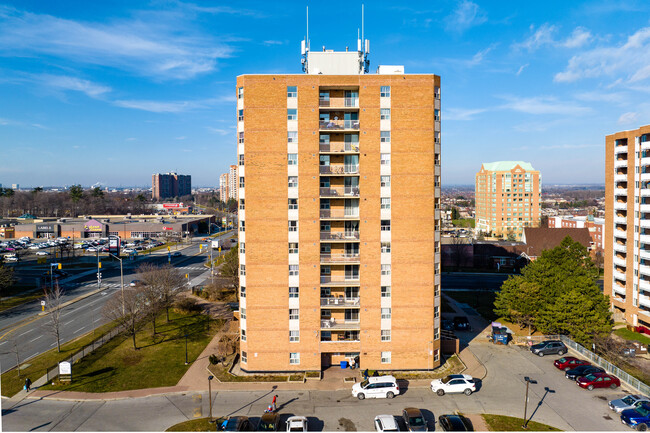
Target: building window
{"x":294,"y":292}
{"x":244,"y":357}
{"x":292,"y":91}
{"x":242,"y":270}
{"x":385,"y":291}
{"x":324,"y":98}
{"x":292,"y":159}
{"x":385,"y":180}
{"x":243,"y":335}
{"x":241,"y":182}
{"x":242,"y":247}
{"x":293,"y":226}
{"x":294,"y":358}
{"x":384,"y":113}
{"x":385,"y":247}
{"x":293,"y":203}
{"x":240,"y":115}
{"x":436,"y":92}
{"x":294,"y":336}
{"x":242,"y":292}
{"x":385,"y":313}
{"x":293,"y":270}
{"x":292,"y":114}
{"x":385,"y":269}
{"x":241,"y":137}
{"x":241,"y":159}
{"x":385,"y":225}
{"x":385,"y":335}
{"x":293,"y":181}
{"x":436,"y":115}
{"x":242,"y":313}
{"x":436,"y":312}
{"x":384,"y":92}
{"x":325,"y":314}
{"x":294,"y":314}
{"x":240,"y":93}
{"x":384,"y":136}
{"x":324,"y":139}
{"x":326,"y":336}
{"x":242,"y":204}
{"x":385,"y":159}
{"x":293,"y":248}
{"x":242,"y":226}
{"x":292,"y":137}
{"x":385,"y":202}
{"x":436,"y":355}
{"x":436,"y":333}
{"x":385,"y":357}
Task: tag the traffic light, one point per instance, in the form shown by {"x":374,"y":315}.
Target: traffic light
{"x":99,"y":265}
{"x":59,"y":265}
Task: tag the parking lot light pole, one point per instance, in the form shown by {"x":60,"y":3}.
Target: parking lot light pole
{"x":528,"y":382}
{"x":210,"y":395}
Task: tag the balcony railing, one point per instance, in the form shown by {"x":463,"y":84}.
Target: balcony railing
{"x":336,"y":103}
{"x":340,"y":213}
{"x":325,"y":279}
{"x":343,"y":324}
{"x":334,"y":125}
{"x":339,"y":258}
{"x":339,"y":236}
{"x":341,"y":302}
{"x":348,"y":191}
{"x":339,"y":169}
{"x":339,"y":147}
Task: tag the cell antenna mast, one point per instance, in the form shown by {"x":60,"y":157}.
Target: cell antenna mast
{"x":362,"y":22}
{"x":307,"y":41}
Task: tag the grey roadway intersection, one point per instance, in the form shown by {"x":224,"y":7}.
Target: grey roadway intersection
{"x":502,"y":392}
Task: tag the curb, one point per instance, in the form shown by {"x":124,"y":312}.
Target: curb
{"x":72,"y":301}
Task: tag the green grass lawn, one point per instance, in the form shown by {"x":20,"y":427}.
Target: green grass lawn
{"x":481,"y":300}
{"x":199,"y":424}
{"x":12,"y":383}
{"x":631,"y":335}
{"x":464,"y":222}
{"x":158,"y":361}
{"x":509,"y":423}
{"x":20,"y":299}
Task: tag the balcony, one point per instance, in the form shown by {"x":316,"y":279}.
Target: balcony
{"x":620,"y":219}
{"x":339,"y":258}
{"x":342,"y":214}
{"x":620,"y":247}
{"x":623,"y":192}
{"x":644,"y":300}
{"x":339,"y":280}
{"x":644,"y":207}
{"x":645,"y":270}
{"x":644,"y":284}
{"x":620,"y":149}
{"x":643,"y":176}
{"x":338,"y":125}
{"x":645,"y":145}
{"x":339,"y":236}
{"x":642,"y":237}
{"x":618,"y":275}
{"x":340,"y":302}
{"x":338,"y":103}
{"x":620,"y":205}
{"x":644,"y":192}
{"x":342,"y":324}
{"x":620,"y":163}
{"x":618,"y":289}
{"x":645,"y":160}
{"x":338,"y":147}
{"x":344,"y":192}
{"x":620,"y":261}
{"x":644,"y":223}
{"x":643,"y":253}
{"x":620,"y":177}
{"x":339,"y":169}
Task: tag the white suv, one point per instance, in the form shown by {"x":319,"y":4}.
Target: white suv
{"x":376,"y":387}
{"x":454,"y":383}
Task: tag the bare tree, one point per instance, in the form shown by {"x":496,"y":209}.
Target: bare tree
{"x":15,"y":349}
{"x":459,"y":250}
{"x":127,"y":310}
{"x":53,"y":301}
{"x":161,"y":285}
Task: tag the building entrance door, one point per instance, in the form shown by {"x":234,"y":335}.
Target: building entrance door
{"x":325,"y":360}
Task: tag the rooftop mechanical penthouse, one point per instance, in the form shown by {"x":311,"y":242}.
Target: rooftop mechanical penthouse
{"x":339,"y":228}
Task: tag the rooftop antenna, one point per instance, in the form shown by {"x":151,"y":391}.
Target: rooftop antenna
{"x":304,"y":47}
{"x":307,"y":27}
{"x":362,"y":21}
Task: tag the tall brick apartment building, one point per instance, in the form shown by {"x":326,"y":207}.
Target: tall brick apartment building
{"x":627,"y":224}
{"x":339,"y":213}
{"x":507,"y":197}
{"x":170,"y":185}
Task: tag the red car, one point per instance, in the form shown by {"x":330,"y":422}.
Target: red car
{"x":568,"y":362}
{"x":598,"y":380}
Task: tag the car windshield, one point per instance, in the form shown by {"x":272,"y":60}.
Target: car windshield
{"x":562,"y":360}
{"x":590,"y":377}
{"x":628,"y":400}
{"x":416,"y":421}
{"x":446,"y":379}
{"x":364,"y":383}
{"x":266,"y":426}
{"x":642,"y":409}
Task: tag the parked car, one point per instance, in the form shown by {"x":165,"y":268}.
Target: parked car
{"x":386,"y":423}
{"x":176,"y":254}
{"x":628,"y":402}
{"x":566,"y":363}
{"x":462,"y":324}
{"x":637,"y":418}
{"x":134,"y":283}
{"x":414,"y":420}
{"x":598,"y":380}
{"x":237,"y":423}
{"x":11,"y":259}
{"x":582,"y":370}
{"x":376,"y":387}
{"x":270,"y":421}
{"x":455,"y":423}
{"x":42,"y":253}
{"x":549,"y":347}
{"x":297,"y":423}
{"x":454,"y":383}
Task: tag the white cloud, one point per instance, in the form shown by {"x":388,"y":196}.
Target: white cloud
{"x":71,"y":83}
{"x":544,"y":105}
{"x":542,"y":36}
{"x":271,"y":42}
{"x":150,"y":45}
{"x":466,"y":15}
{"x":521,"y":69}
{"x":578,"y":38}
{"x":462,"y":113}
{"x":630,"y":60}
{"x":156,"y":106}
{"x":218,"y":130}
{"x":627,"y":118}
{"x":568,"y":146}
{"x":600,"y":96}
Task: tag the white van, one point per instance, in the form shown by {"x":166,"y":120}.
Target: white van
{"x":376,"y":387}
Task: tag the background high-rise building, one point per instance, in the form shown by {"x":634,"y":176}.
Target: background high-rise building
{"x":334,"y":266}
{"x":507,"y":198}
{"x":170,"y":185}
{"x":223,"y":187}
{"x":627,"y":225}
{"x":233,"y":179}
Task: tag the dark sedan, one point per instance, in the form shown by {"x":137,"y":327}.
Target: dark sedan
{"x":582,"y":370}
{"x":455,"y":423}
{"x":414,"y":420}
{"x":237,"y":423}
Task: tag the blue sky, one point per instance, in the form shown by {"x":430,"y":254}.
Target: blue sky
{"x":112,"y":92}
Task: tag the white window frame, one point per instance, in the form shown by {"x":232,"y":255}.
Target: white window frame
{"x":241,"y":159}
{"x":384,"y":113}
{"x":242,"y":313}
{"x":291,"y":93}
{"x":385,"y":269}
{"x":242,"y":248}
{"x":385,"y":291}
{"x":293,"y":226}
{"x":240,"y":92}
{"x":294,"y":336}
{"x":385,"y":247}
{"x":294,"y":292}
{"x":384,"y":181}
{"x":292,"y":114}
{"x":294,"y":358}
{"x":242,"y":182}
{"x":293,"y":247}
{"x":292,"y":136}
{"x":244,"y":357}
{"x":293,"y":206}
{"x":294,"y":270}
{"x":385,"y":159}
{"x":293,"y":181}
{"x":386,"y":313}
{"x":385,"y":357}
{"x":384,"y":136}
{"x":242,"y":270}
{"x":294,"y":314}
{"x":240,"y":136}
{"x":384,"y":92}
{"x":240,"y":115}
{"x":292,"y":159}
{"x":385,"y":335}
{"x":385,"y":202}
{"x":242,"y":292}
{"x":243,"y":335}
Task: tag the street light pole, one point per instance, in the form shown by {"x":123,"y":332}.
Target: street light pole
{"x":210,"y":395}
{"x":528,"y":381}
{"x":186,"y":347}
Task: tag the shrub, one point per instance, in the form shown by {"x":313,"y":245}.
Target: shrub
{"x":213,"y":359}
{"x":188,"y":305}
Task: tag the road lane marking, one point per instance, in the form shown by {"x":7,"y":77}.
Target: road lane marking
{"x":34,"y":339}
{"x":78,"y":329}
{"x":68,"y":322}
{"x":26,"y":332}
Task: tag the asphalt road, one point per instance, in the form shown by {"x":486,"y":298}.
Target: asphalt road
{"x":23,"y":327}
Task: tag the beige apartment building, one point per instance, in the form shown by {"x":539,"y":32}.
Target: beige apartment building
{"x":339,"y":213}
{"x":507,"y":198}
{"x":627,"y":224}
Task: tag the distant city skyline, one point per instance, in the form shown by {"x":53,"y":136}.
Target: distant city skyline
{"x":115,"y":93}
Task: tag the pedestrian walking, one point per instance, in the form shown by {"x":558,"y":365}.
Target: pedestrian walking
{"x":273,"y":402}
{"x":365,"y":374}
{"x":28,"y":384}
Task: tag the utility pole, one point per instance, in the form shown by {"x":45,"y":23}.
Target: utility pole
{"x":528,"y":381}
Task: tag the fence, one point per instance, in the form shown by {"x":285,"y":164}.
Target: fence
{"x":53,"y":372}
{"x":630,"y":380}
